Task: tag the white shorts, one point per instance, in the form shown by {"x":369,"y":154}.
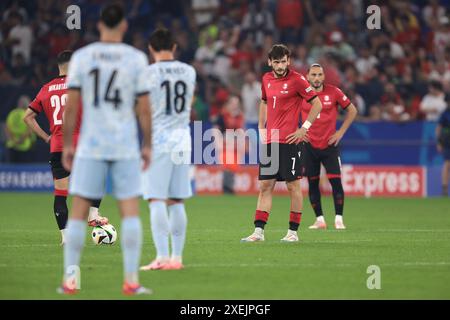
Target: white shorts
{"x":88,"y":178}
{"x":165,"y":179}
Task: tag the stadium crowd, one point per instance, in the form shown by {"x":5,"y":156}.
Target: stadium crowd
{"x":400,"y":72}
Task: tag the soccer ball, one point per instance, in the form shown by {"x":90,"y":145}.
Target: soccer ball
{"x":106,"y":234}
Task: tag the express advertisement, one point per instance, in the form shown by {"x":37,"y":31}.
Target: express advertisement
{"x":366,"y":181}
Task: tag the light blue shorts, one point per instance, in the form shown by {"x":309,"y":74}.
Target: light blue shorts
{"x":168,"y":177}
{"x":88,"y":178}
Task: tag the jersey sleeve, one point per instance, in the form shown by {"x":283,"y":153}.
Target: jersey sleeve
{"x":74,"y":73}
{"x":304,"y":89}
{"x":342,"y":99}
{"x":36,"y":104}
{"x":143,"y":79}
{"x":263,"y":91}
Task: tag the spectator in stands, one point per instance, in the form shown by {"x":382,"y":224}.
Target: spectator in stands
{"x":365,"y":61}
{"x":19,"y":70}
{"x":289,"y":20}
{"x":251,"y":97}
{"x":441,"y":39}
{"x":20,"y":37}
{"x":206,"y":54}
{"x":299,"y":58}
{"x":441,"y":73}
{"x":433,"y":103}
{"x":341,"y":48}
{"x":204,"y":11}
{"x":393,"y":108}
{"x":258,"y":22}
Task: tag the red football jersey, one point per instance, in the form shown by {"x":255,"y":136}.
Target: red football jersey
{"x":325,"y":124}
{"x":52,"y":99}
{"x":284,"y":98}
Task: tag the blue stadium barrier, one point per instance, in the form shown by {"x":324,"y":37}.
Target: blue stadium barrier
{"x":384,"y":143}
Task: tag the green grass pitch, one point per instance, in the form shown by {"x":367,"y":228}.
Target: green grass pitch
{"x":409,"y":239}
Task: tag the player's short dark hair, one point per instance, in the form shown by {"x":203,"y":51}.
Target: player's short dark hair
{"x":64,"y":57}
{"x":314,"y":65}
{"x":278,"y":51}
{"x":112,"y":14}
{"x":161,"y":39}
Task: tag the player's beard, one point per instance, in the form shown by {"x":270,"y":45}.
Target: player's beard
{"x":280,"y":72}
{"x":317,"y":85}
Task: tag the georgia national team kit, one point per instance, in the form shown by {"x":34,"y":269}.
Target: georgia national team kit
{"x":283,"y":97}
{"x":318,"y":151}
{"x":51,"y":100}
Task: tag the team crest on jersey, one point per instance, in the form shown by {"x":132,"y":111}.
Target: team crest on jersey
{"x":268,"y":85}
{"x":285,"y":86}
{"x":284,"y":91}
{"x":326,"y":98}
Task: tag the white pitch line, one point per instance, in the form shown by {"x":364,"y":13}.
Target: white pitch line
{"x":253,"y":265}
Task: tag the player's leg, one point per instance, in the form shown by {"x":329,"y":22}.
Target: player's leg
{"x":177,"y":225}
{"x":332,"y":164}
{"x":179,"y":190}
{"x":126,"y":179}
{"x":155,"y":182}
{"x":263,"y":207}
{"x":60,"y":205}
{"x":87,"y":182}
{"x":61,"y":183}
{"x":291,"y":170}
{"x":312,"y":164}
{"x":268,"y":173}
{"x":295,"y":214}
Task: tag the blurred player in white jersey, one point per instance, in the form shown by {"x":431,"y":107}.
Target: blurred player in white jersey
{"x":110,"y":79}
{"x":166,"y":183}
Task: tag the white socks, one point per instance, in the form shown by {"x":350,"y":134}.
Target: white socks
{"x":178,"y":223}
{"x":75,"y":235}
{"x":338,"y":218}
{"x":259,"y":230}
{"x":320,"y":219}
{"x":291,"y":232}
{"x":131,"y":242}
{"x":159,"y":224}
{"x":165,"y":221}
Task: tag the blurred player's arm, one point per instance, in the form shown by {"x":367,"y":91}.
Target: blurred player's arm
{"x":143,"y":112}
{"x":69,"y":122}
{"x":349,"y":118}
{"x":262,"y":120}
{"x":30,"y":120}
{"x":301,"y":133}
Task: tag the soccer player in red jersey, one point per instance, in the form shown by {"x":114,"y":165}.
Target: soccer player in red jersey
{"x":322,"y":144}
{"x":51,"y":100}
{"x":283,"y":91}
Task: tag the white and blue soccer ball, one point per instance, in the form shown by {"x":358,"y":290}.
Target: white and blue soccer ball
{"x":106,"y":234}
